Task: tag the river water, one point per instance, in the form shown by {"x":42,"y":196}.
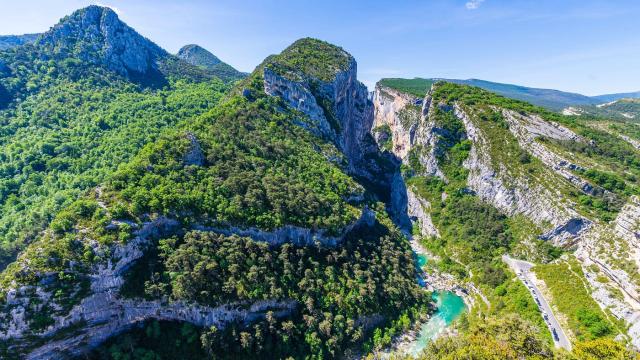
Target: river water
{"x":449,"y":307}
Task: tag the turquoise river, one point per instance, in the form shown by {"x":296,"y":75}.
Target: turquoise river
{"x":449,"y":307}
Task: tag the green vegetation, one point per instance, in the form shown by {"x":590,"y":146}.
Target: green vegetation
{"x":600,"y":149}
{"x":310,"y":57}
{"x":245,"y":163}
{"x":604,"y":348}
{"x":409,"y":116}
{"x":417,"y":87}
{"x":155,"y":340}
{"x":385,"y":135}
{"x":566,"y":283}
{"x":507,"y":337}
{"x":367,"y":276}
{"x":68,"y":127}
{"x":196,"y":55}
{"x":473,"y":234}
{"x":512,"y":338}
{"x":260,"y":169}
{"x":631,"y":130}
{"x":620,"y":110}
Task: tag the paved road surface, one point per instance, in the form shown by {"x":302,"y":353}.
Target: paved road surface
{"x":523,"y":269}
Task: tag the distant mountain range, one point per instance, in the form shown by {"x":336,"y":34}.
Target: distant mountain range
{"x":613,"y":97}
{"x":9,"y":41}
{"x":549,"y":98}
{"x":623,"y":109}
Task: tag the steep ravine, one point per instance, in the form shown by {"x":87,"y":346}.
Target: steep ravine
{"x":604,"y":249}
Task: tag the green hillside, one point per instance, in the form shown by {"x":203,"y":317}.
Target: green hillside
{"x":67,"y":125}
{"x":255,"y":167}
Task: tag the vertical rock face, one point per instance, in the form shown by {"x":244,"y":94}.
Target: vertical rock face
{"x":96,"y":35}
{"x":388,"y":104}
{"x":299,"y":97}
{"x":418,"y":209}
{"x":339,"y":109}
{"x":407,"y":117}
{"x":627,"y":223}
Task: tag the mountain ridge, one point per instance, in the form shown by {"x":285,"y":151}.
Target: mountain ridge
{"x":552,"y":99}
{"x":10,"y":41}
{"x":198,"y":56}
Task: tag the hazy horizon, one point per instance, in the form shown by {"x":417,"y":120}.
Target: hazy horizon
{"x":588,"y":47}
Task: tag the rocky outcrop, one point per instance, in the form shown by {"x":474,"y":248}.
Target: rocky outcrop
{"x":294,"y":234}
{"x":635,"y":143}
{"x":194,"y":155}
{"x":627,"y":223}
{"x":388,"y":105}
{"x":419,"y":211}
{"x":396,"y":110}
{"x":339,"y":109}
{"x":626,"y":308}
{"x":514,"y":195}
{"x":299,"y":97}
{"x":527,"y":128}
{"x":200,"y":57}
{"x":95,"y":35}
{"x":103,"y":313}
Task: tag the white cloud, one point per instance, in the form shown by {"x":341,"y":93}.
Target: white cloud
{"x":473,"y":4}
{"x":115,"y":9}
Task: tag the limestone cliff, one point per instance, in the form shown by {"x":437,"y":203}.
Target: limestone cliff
{"x":96,"y":35}
{"x":519,"y":163}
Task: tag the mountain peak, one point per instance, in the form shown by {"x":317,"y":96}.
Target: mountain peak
{"x":96,"y":35}
{"x":313,"y":57}
{"x":198,"y":56}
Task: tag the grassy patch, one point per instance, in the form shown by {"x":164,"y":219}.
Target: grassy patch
{"x":417,"y":87}
{"x":565,"y":281}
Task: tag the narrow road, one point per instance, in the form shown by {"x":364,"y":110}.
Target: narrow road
{"x":523,"y":270}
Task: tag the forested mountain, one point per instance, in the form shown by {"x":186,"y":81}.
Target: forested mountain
{"x":619,"y":96}
{"x":198,"y":56}
{"x":258,"y":177}
{"x":73,"y":106}
{"x":169,"y":207}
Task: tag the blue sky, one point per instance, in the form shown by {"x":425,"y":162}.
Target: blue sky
{"x":586,"y":46}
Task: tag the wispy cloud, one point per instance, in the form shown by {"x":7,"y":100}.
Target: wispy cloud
{"x":473,"y":4}
{"x":115,"y":9}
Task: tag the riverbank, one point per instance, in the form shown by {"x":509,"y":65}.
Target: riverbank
{"x":451,"y":301}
